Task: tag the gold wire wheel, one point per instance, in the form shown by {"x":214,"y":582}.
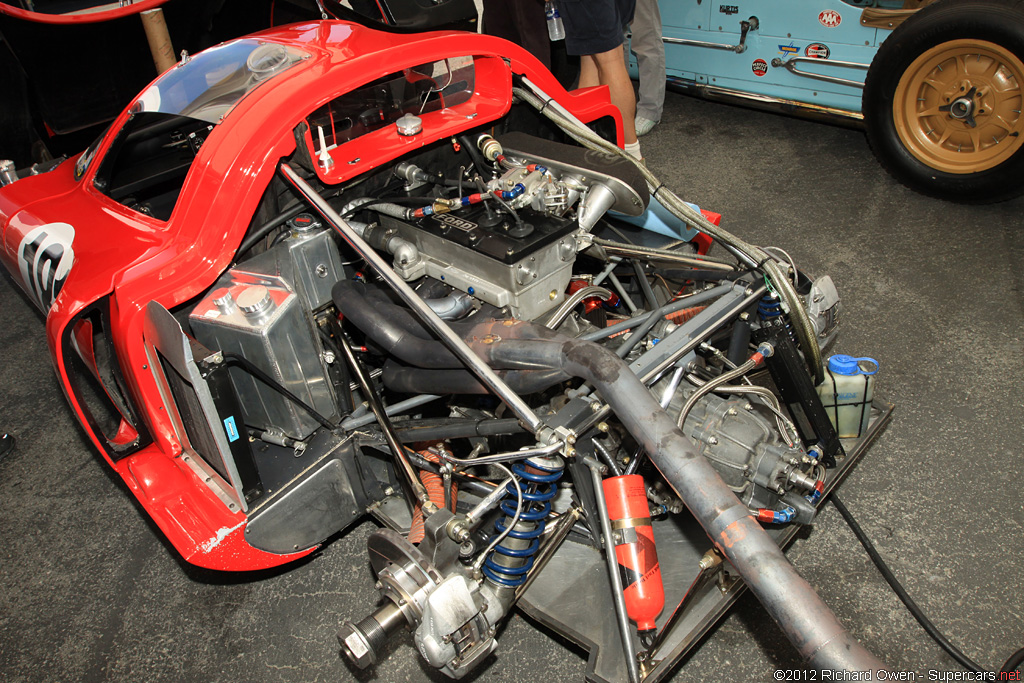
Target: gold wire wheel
{"x":957,"y":107}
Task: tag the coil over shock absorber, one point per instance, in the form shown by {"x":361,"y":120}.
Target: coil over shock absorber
{"x":769,"y":307}
{"x":513,"y":558}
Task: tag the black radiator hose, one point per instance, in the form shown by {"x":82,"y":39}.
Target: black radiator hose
{"x":387,"y":324}
{"x":407,"y":379}
{"x":428,"y":366}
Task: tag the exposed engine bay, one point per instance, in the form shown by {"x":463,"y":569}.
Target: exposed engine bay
{"x":495,"y":350}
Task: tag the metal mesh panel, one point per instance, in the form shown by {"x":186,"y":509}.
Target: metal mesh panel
{"x":197,"y":428}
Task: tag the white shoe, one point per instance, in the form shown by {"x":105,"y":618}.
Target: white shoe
{"x":644,"y":126}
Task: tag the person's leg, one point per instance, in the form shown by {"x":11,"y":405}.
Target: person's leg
{"x":612,"y":72}
{"x":650,"y":56}
{"x":589,"y":76}
{"x":594,"y":30}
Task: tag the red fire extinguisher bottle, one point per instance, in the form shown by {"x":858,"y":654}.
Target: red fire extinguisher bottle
{"x":635,"y":551}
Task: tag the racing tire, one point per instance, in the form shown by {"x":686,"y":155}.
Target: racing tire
{"x":943,"y":99}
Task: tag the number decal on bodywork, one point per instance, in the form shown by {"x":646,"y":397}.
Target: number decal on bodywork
{"x":45,"y":258}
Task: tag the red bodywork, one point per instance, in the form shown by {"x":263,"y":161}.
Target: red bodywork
{"x":135,"y":259}
{"x":82,"y":18}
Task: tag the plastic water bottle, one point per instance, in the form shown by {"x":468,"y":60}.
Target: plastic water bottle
{"x":556,"y":31}
{"x":846,"y":393}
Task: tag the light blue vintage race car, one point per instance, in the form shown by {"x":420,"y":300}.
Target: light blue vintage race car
{"x":938,"y":85}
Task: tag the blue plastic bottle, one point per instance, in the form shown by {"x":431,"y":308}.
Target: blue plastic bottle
{"x":846,"y":394}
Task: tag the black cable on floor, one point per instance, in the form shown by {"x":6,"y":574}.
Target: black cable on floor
{"x":1013,"y":663}
{"x":1015,"y":660}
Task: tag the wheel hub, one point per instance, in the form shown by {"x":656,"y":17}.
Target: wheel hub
{"x":962,"y":108}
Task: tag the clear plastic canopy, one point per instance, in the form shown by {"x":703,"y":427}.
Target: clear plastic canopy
{"x":207,"y":86}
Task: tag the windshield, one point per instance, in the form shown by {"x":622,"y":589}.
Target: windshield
{"x":208,"y":85}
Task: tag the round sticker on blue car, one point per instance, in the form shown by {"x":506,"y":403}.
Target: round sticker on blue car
{"x":830,"y":18}
{"x":45,"y":258}
{"x":818,"y":51}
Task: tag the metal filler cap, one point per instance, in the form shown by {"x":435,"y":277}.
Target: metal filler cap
{"x":303,"y":223}
{"x":409,"y":124}
{"x":223,"y":300}
{"x":254,"y":300}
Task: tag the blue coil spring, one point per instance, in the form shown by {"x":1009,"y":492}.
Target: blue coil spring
{"x":769,"y":307}
{"x":538,"y":490}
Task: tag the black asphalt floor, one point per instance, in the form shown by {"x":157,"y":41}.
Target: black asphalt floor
{"x":89,"y":591}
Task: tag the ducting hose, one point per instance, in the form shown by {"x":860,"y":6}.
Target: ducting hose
{"x":387,"y":208}
{"x":803,"y":616}
{"x":753,"y":255}
{"x":435,"y":368}
{"x":388,"y":325}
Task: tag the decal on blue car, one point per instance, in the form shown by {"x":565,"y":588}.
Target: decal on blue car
{"x":45,"y":258}
{"x":789,"y":50}
{"x":231,"y":429}
{"x":818,"y":51}
{"x":830,"y":18}
{"x":759,"y":67}
{"x":728,"y":10}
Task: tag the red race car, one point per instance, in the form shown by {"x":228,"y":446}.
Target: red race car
{"x":326,"y":271}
